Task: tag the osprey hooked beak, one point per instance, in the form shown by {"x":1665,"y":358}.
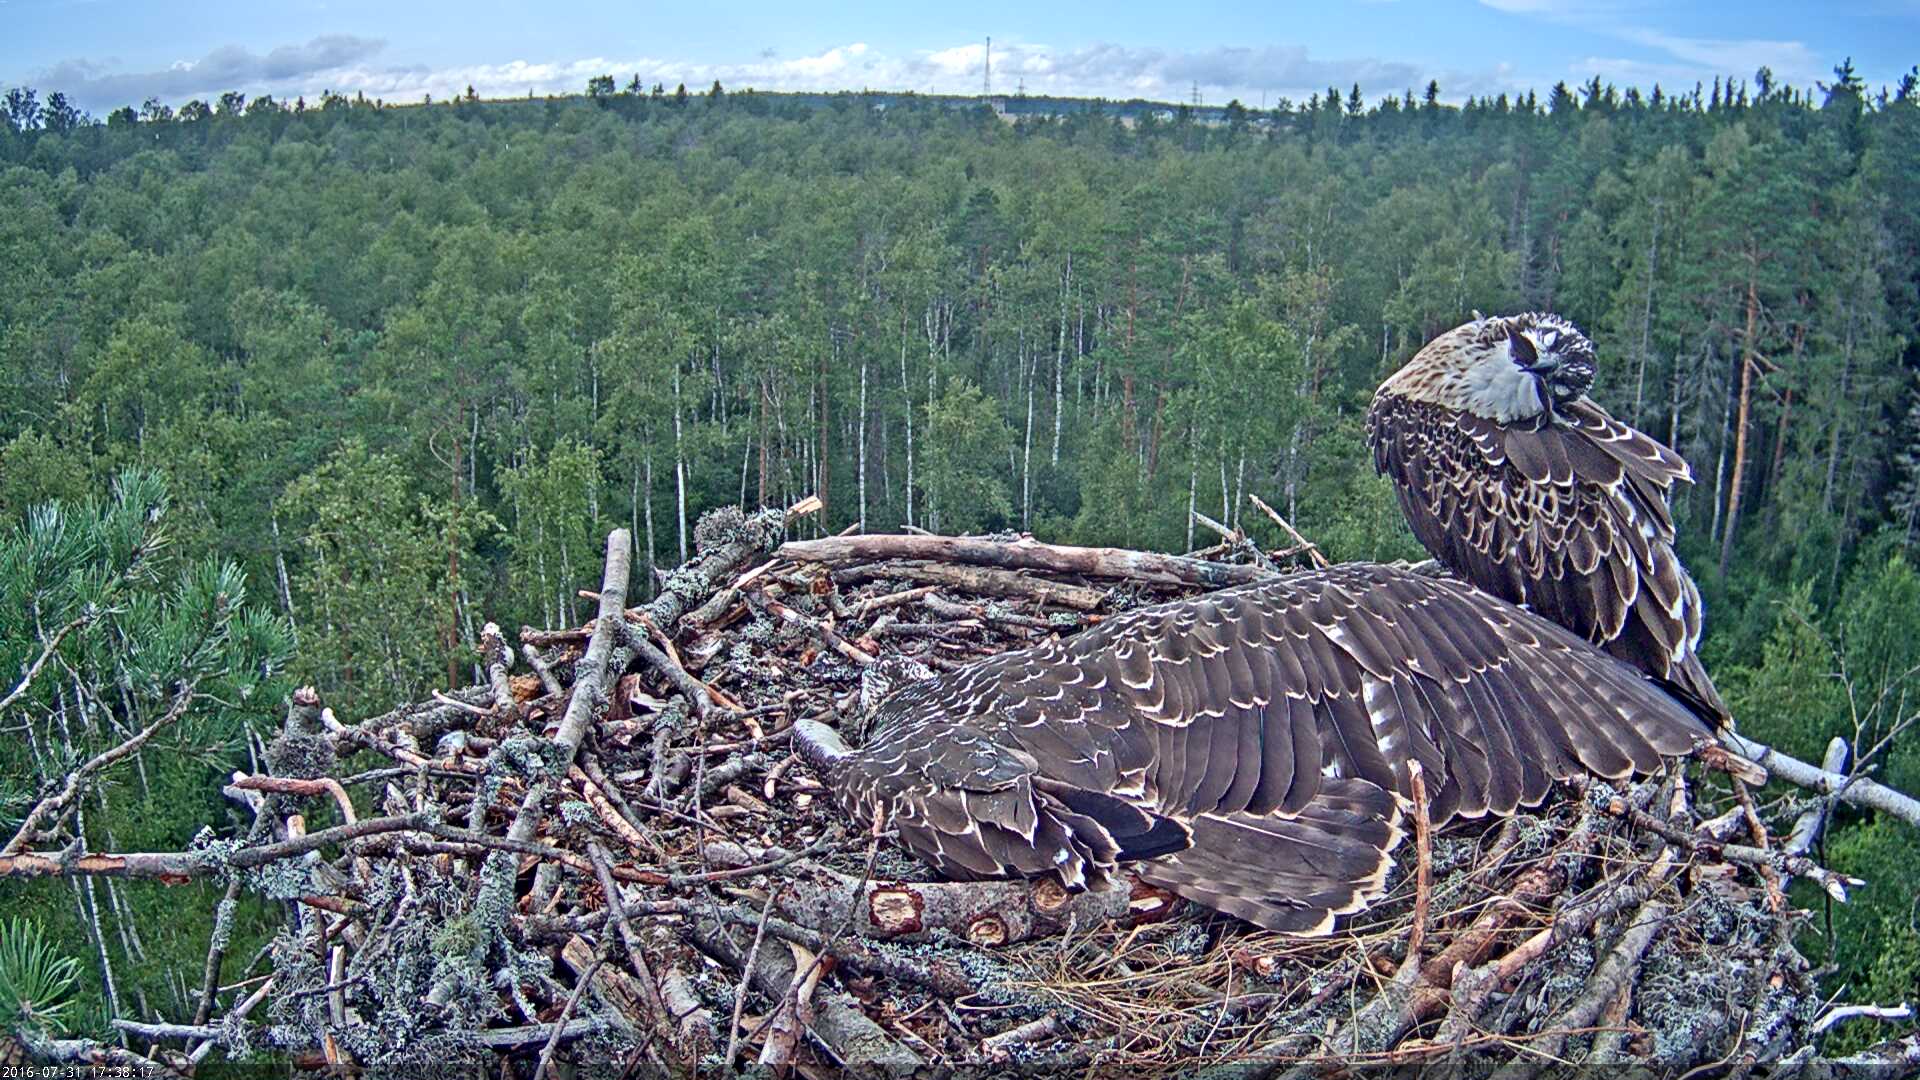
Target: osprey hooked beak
{"x":1561,"y":379}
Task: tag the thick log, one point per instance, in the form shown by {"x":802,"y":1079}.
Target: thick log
{"x":499,"y":659}
{"x":590,"y":674}
{"x":1023,"y":554}
{"x":982,"y":912}
{"x":978,"y":580}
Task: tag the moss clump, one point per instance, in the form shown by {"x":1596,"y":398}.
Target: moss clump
{"x":1686,"y":1003}
{"x":457,"y":937}
{"x":727,"y":525}
{"x":285,"y":879}
{"x":304,"y":757}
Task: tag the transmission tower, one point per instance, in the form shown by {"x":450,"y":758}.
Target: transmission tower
{"x":1196,"y":94}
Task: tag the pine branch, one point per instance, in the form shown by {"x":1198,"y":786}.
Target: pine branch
{"x":46,"y":653}
{"x":48,"y":811}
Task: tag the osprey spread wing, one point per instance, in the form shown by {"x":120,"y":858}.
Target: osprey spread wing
{"x":1246,"y":747}
{"x":1516,"y":480}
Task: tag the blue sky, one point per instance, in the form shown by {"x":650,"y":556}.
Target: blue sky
{"x":105,"y":53}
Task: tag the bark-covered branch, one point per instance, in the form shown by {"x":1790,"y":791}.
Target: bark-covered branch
{"x":1022,"y":554}
{"x":1858,"y":790}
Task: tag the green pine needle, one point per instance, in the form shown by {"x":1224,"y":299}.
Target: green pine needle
{"x":36,"y":981}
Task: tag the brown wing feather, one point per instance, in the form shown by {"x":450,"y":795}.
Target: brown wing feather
{"x":1569,"y":517}
{"x":1249,"y":743}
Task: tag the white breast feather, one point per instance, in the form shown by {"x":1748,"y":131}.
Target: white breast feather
{"x":1499,"y":390}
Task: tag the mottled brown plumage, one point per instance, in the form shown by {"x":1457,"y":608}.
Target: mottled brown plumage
{"x":1516,"y":480}
{"x":1248,"y":749}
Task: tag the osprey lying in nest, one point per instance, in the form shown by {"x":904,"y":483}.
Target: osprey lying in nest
{"x":1248,"y":749}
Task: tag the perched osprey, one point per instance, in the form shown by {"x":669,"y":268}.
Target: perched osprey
{"x":1249,"y":748}
{"x":1516,"y":480}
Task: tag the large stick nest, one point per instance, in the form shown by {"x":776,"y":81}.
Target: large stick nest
{"x":1638,"y":924}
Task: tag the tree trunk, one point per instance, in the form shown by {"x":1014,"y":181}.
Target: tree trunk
{"x":453,"y":563}
{"x":1780,"y":441}
{"x":1720,"y":467}
{"x":280,"y":571}
{"x":1079,"y":353}
{"x":1748,"y":364}
{"x":766,"y":404}
{"x":746,"y":461}
{"x":1193,"y":476}
{"x":1833,"y":433}
{"x":822,"y":462}
{"x":679,"y":462}
{"x":652,"y":561}
{"x":1646,"y":310}
{"x":1028,"y":370}
{"x":861,"y":441}
{"x":1226,"y":497}
{"x":1060,"y":358}
{"x":906,"y":397}
{"x":1239,"y":488}
{"x":473,"y":455}
{"x":886,"y":463}
{"x":1153,"y":434}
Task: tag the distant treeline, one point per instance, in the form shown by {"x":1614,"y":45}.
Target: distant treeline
{"x":408,"y":364}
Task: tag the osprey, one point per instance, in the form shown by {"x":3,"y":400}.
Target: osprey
{"x":1248,"y":749}
{"x":1516,"y":480}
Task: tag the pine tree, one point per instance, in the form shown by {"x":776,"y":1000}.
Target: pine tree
{"x":115,"y":648}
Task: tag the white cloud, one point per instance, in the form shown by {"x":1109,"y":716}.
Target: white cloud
{"x":1245,"y":72}
{"x":349,"y":65}
{"x":958,"y":60}
{"x":1791,"y":61}
{"x":1622,"y":72}
{"x":93,"y":85}
{"x":1679,"y":60}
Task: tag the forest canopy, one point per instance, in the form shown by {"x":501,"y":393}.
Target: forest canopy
{"x":402,"y":367}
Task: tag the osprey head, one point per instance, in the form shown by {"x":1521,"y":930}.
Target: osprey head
{"x":1551,"y":350}
{"x":1505,"y":369}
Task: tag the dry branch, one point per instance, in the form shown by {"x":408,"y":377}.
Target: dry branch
{"x":1025,"y":553}
{"x":977,"y":580}
{"x":839,"y":1023}
{"x":981,"y":912}
{"x":1301,"y":543}
{"x":1857,"y":790}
